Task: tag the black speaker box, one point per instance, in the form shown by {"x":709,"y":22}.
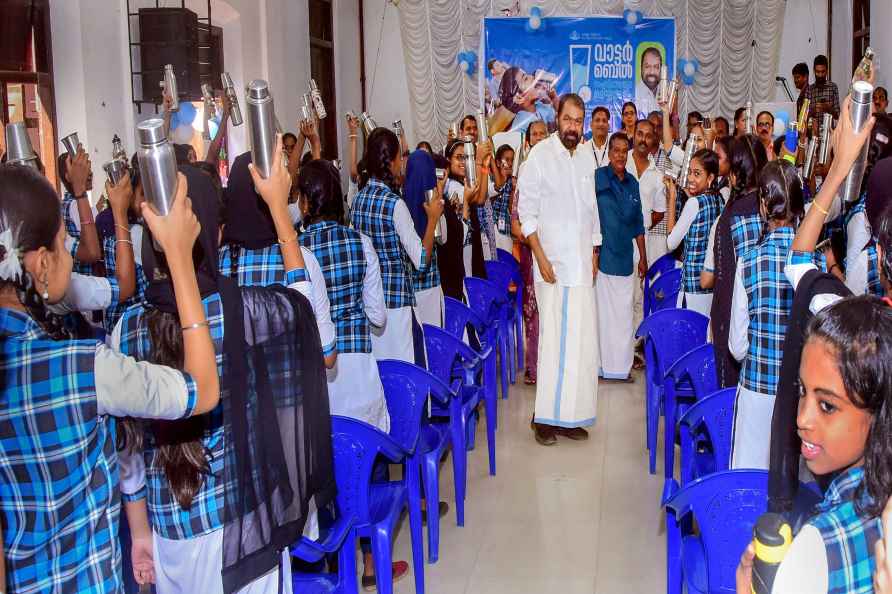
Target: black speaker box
{"x":169,"y":36}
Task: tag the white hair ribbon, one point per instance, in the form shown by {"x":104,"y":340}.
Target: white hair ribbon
{"x":10,"y":265}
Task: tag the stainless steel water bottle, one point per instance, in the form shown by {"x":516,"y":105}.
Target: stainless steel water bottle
{"x":470,"y":161}
{"x":169,"y":84}
{"x":18,"y":145}
{"x":862,"y":102}
{"x":826,"y":130}
{"x":482,"y":126}
{"x":810,"y":153}
{"x":316,"y":96}
{"x":261,"y":126}
{"x":157,"y":165}
{"x":71,"y":143}
{"x":305,"y":109}
{"x":368,"y":124}
{"x":235,"y":112}
{"x":748,"y":118}
{"x":690,"y":149}
{"x":118,"y":151}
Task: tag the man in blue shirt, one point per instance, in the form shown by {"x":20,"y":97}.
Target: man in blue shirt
{"x":622,"y":226}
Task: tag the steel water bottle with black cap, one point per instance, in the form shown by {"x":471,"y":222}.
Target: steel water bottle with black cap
{"x":772,"y":537}
{"x":261,"y":125}
{"x":235,"y":112}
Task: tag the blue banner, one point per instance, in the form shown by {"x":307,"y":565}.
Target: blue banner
{"x":603,"y":59}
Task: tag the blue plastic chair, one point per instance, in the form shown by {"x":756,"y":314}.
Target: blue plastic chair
{"x":690,"y":378}
{"x":667,"y":334}
{"x":725,"y":506}
{"x":442,"y":353}
{"x":502,"y":275}
{"x":662,"y":265}
{"x":482,"y":373}
{"x":405,"y":381}
{"x":705,"y":433}
{"x":364,"y":509}
{"x":663,"y":293}
{"x":519,"y":285}
{"x":486,"y":300}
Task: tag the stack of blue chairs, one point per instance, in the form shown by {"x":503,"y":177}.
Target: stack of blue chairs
{"x":431,"y":411}
{"x":710,"y":510}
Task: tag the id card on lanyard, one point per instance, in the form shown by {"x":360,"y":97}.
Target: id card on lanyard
{"x":600,"y":155}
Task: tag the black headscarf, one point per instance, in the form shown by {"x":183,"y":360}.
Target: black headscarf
{"x":273,"y":379}
{"x":251,"y":224}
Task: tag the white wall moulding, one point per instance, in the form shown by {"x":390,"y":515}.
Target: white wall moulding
{"x":718,"y":33}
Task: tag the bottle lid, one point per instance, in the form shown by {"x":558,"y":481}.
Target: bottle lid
{"x":868,"y":53}
{"x":862,"y":91}
{"x":313,"y":86}
{"x":258,"y":89}
{"x":225,"y":79}
{"x":168,"y":67}
{"x":151,"y":132}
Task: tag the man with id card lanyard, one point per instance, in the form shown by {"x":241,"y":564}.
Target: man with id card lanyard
{"x":600,"y":135}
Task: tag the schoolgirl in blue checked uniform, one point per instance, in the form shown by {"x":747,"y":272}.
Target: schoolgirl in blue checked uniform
{"x":844,"y":425}
{"x":187,"y":504}
{"x":421,"y":179}
{"x":353,"y":280}
{"x":379,"y":213}
{"x":760,"y":307}
{"x":863,"y":272}
{"x":59,"y":495}
{"x":700,"y":212}
{"x":503,"y":169}
{"x":251,"y":254}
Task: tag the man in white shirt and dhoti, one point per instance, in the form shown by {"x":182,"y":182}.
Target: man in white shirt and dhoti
{"x":559,"y":217}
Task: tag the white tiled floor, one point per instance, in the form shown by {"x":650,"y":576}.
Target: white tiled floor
{"x":573,"y":518}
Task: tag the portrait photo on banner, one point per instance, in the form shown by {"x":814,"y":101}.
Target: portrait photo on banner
{"x":604,"y":60}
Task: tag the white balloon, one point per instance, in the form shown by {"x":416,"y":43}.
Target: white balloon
{"x":535,"y":22}
{"x":464,"y":66}
{"x":689,"y":69}
{"x":182,"y":134}
{"x":632,"y":18}
{"x":585,"y":93}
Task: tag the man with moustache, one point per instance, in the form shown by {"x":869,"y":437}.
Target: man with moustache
{"x":622,"y":230}
{"x":600,"y":134}
{"x":765,"y":131}
{"x":646,"y":87}
{"x":559,"y":218}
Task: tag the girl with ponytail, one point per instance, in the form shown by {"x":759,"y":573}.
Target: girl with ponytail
{"x":761,"y":304}
{"x":59,"y":395}
{"x":379,"y":213}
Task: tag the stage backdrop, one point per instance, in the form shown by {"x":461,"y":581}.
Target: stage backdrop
{"x":719,"y":34}
{"x":602,"y":59}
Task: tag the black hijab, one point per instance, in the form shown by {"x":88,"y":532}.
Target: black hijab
{"x":255,"y":228}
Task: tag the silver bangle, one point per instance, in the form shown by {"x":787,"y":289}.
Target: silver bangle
{"x":195,"y":326}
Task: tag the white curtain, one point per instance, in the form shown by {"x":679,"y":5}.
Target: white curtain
{"x":720,"y":34}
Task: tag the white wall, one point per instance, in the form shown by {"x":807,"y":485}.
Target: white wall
{"x":805,"y":36}
{"x":881,"y":40}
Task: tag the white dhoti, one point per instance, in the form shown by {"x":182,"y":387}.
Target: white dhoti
{"x":656,"y":247}
{"x":196,"y":565}
{"x":751,"y":446}
{"x":429,"y":306}
{"x":567,"y":382}
{"x":615,"y":323}
{"x":394,"y":339}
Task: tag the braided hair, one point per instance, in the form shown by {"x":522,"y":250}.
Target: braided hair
{"x":381,"y":149}
{"x":29,"y":210}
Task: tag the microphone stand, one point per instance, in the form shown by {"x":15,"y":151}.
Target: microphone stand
{"x":783,"y":81}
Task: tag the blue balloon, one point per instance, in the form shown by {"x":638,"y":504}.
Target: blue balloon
{"x":186,"y":114}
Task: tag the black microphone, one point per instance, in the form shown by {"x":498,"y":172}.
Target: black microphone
{"x":779,"y":78}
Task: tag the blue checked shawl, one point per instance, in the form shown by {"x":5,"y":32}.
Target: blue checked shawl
{"x":114,"y":313}
{"x":206,"y":514}
{"x":746,"y":231}
{"x":252,"y":268}
{"x":372,"y":216}
{"x":697,"y":239}
{"x":770,"y":298}
{"x":874,"y":286}
{"x":339,"y":252}
{"x":59,"y":489}
{"x":849,"y":537}
{"x":501,"y":207}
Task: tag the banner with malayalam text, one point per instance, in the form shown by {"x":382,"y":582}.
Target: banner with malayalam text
{"x":604,"y":60}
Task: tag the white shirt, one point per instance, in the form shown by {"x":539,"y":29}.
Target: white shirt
{"x":405,"y":229}
{"x":650,"y":188}
{"x":557,"y":202}
{"x":317,"y":294}
{"x":858,"y":234}
{"x":804,"y":569}
{"x":683,"y":224}
{"x":856,"y":273}
{"x":645,"y":100}
{"x":372,"y":286}
{"x":709,"y":262}
{"x":738,"y":334}
{"x":599,"y":152}
{"x":85,"y":293}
